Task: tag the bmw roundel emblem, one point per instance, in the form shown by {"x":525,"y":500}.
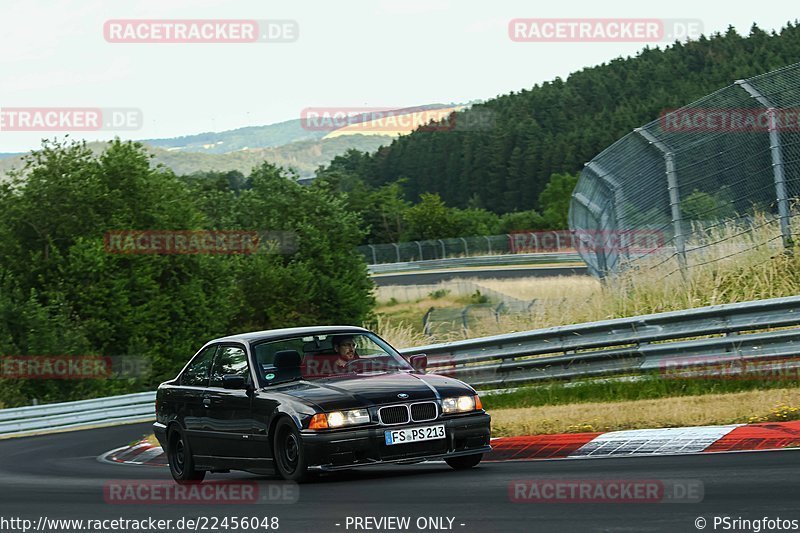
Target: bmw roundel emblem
{"x":402,"y":395}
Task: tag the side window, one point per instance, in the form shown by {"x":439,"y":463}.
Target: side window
{"x":196,"y":374}
{"x":229,"y":360}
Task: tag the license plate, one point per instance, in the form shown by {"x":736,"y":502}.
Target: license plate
{"x":404,"y":436}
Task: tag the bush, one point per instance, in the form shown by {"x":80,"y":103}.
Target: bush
{"x":439,"y":293}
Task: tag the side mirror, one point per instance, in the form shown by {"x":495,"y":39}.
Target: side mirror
{"x":234,"y":381}
{"x":419,"y":362}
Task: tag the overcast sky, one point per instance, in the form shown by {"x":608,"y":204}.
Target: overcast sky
{"x":381,"y":53}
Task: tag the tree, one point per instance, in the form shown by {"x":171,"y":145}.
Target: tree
{"x":555,"y":199}
{"x":429,"y":219}
{"x":63,"y":293}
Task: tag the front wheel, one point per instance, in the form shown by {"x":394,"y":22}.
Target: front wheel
{"x":290,"y":456}
{"x":181,"y":462}
{"x":464,"y":461}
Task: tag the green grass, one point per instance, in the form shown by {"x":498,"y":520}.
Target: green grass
{"x":620,"y":391}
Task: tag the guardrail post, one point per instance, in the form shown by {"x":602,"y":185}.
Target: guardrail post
{"x":674,"y":196}
{"x":777,"y":165}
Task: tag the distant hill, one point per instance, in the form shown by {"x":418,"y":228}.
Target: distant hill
{"x":303,"y":156}
{"x":288,"y":144}
{"x":281,"y":134}
{"x":222,"y":142}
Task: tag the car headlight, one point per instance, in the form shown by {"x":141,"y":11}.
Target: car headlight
{"x":461,"y":404}
{"x":337,"y":419}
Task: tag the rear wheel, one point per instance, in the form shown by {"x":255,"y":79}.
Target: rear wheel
{"x":290,"y":456}
{"x":464,"y":461}
{"x":181,"y":462}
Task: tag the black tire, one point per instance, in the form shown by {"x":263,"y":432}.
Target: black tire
{"x":464,"y":461}
{"x":288,"y":451}
{"x":181,"y":461}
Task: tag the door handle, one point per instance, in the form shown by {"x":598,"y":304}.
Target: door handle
{"x":206,"y":402}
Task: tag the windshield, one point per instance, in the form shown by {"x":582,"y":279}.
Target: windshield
{"x":331,"y":356}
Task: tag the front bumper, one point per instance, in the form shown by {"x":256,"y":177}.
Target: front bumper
{"x":340,"y":449}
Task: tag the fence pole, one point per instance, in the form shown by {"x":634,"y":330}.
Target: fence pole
{"x":397,"y":249}
{"x":674,"y":196}
{"x":466,"y":250}
{"x":374,"y":257}
{"x":489,"y":242}
{"x":421,"y":258}
{"x":777,"y":165}
{"x":426,"y":329}
{"x":444,"y":252}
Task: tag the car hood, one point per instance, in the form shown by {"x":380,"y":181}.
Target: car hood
{"x":349,"y":391}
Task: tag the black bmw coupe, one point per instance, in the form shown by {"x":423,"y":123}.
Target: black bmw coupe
{"x":290,"y":401}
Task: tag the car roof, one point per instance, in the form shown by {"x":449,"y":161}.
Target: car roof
{"x":274,"y":334}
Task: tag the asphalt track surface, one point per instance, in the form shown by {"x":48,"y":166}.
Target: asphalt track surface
{"x":435,"y":276}
{"x":59,"y":476}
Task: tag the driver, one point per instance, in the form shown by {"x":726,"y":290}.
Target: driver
{"x":345,"y":347}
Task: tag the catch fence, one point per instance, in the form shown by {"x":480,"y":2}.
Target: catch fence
{"x":712,"y":180}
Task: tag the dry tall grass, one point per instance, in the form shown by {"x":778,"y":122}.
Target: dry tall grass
{"x":744,"y":266}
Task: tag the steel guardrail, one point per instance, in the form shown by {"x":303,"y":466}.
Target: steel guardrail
{"x":734,"y":334}
{"x":624,"y":345}
{"x":537,"y":259}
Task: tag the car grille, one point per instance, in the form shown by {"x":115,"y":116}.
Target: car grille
{"x":421,"y":412}
{"x":395,"y":414}
{"x":403,"y":414}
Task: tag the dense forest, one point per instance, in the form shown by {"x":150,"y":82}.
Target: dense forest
{"x":555,"y":127}
{"x":63,"y":292}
